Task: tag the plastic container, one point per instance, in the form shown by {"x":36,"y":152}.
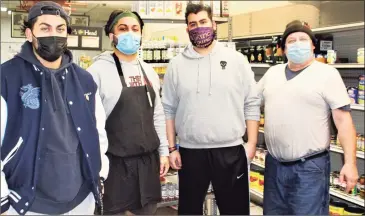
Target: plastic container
{"x":353,"y":94}
{"x":331,"y":56}
{"x":337,"y":207}
{"x":254,"y":178}
{"x":353,"y":210}
{"x":360,"y":55}
{"x":336,"y":179}
{"x":361,"y":82}
{"x":361,"y":97}
{"x":261,"y":181}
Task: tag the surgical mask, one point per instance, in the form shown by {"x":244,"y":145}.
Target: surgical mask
{"x":202,"y":37}
{"x":51,"y":48}
{"x":299,"y":52}
{"x":128,"y":43}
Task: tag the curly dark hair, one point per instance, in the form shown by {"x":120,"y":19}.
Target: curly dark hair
{"x":196,"y":8}
{"x":113,"y":15}
{"x":30,"y":24}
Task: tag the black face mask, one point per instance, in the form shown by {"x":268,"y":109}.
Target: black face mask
{"x":51,"y":48}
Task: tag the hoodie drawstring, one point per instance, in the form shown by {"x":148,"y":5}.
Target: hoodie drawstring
{"x":210,"y":77}
{"x":210,"y":84}
{"x":65,"y":90}
{"x":198,"y":79}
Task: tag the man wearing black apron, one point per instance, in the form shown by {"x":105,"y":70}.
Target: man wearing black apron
{"x":135,"y":123}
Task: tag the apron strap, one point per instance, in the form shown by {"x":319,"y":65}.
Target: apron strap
{"x":120,"y":71}
{"x":147,"y":85}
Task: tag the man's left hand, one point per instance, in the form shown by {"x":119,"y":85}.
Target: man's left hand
{"x":349,"y":175}
{"x":164,"y":165}
{"x":250,"y":149}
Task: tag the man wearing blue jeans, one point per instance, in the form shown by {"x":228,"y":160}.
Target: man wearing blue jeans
{"x":299,"y":99}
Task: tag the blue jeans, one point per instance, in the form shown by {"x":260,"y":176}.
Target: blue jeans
{"x":297,"y":189}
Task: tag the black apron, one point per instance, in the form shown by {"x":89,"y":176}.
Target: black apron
{"x":133,"y":179}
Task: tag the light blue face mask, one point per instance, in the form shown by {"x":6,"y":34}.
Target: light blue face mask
{"x":299,"y":52}
{"x":128,"y":43}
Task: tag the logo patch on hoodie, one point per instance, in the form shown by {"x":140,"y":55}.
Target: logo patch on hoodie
{"x":87,"y":96}
{"x":30,"y":96}
{"x":223,"y":65}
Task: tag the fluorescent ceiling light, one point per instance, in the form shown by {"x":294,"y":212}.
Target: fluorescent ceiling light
{"x":4,"y":9}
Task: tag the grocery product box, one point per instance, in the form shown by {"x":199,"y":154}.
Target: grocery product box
{"x":169,"y":8}
{"x":216,"y":8}
{"x":152,"y":8}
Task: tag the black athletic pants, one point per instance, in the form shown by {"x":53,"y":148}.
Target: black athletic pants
{"x":226,"y":168}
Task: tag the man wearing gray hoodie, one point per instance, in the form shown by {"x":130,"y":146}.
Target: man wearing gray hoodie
{"x":210,"y":99}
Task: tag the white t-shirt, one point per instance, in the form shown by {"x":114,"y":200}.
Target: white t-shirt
{"x":132,"y":73}
{"x":297,"y":111}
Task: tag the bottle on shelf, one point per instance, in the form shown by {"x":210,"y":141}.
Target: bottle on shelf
{"x":149,"y":52}
{"x":164,"y":192}
{"x":164,"y":51}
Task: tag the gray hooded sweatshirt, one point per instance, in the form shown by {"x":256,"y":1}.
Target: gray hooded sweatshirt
{"x":210,"y":97}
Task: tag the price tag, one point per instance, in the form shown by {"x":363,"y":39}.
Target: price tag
{"x":325,"y":45}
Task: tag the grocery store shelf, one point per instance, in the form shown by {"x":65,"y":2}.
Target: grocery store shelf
{"x":256,"y":193}
{"x":350,"y":198}
{"x":176,"y":202}
{"x":158,"y":64}
{"x":348,"y":65}
{"x":176,"y":19}
{"x":166,"y":204}
{"x":340,"y":28}
{"x":358,"y":107}
{"x":258,"y":164}
{"x":329,"y":29}
{"x":258,"y":65}
{"x":338,"y":149}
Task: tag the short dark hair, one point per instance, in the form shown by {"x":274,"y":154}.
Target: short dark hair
{"x":30,"y":24}
{"x":196,"y":8}
{"x":108,"y":28}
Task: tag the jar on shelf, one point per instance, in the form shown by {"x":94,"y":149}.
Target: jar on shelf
{"x":361,"y":82}
{"x":343,"y":186}
{"x":262,"y":120}
{"x":333,"y":139}
{"x":336,"y":179}
{"x":338,"y":142}
{"x":360,"y":55}
{"x":331,"y":56}
{"x":359,"y":142}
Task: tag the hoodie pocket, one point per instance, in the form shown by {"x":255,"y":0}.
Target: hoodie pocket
{"x":61,"y":177}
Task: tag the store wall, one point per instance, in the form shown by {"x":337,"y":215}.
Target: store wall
{"x":241,"y":7}
{"x":341,"y":12}
{"x":9,"y":45}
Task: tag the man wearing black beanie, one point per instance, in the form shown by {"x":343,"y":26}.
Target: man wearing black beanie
{"x":299,"y":99}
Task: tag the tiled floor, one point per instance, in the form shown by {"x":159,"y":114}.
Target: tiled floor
{"x":254,"y":210}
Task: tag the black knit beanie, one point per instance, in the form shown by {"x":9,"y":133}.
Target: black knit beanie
{"x":297,"y":26}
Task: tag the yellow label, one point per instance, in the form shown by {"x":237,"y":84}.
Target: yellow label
{"x":336,"y":210}
{"x":254,"y":180}
{"x":261,"y":183}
